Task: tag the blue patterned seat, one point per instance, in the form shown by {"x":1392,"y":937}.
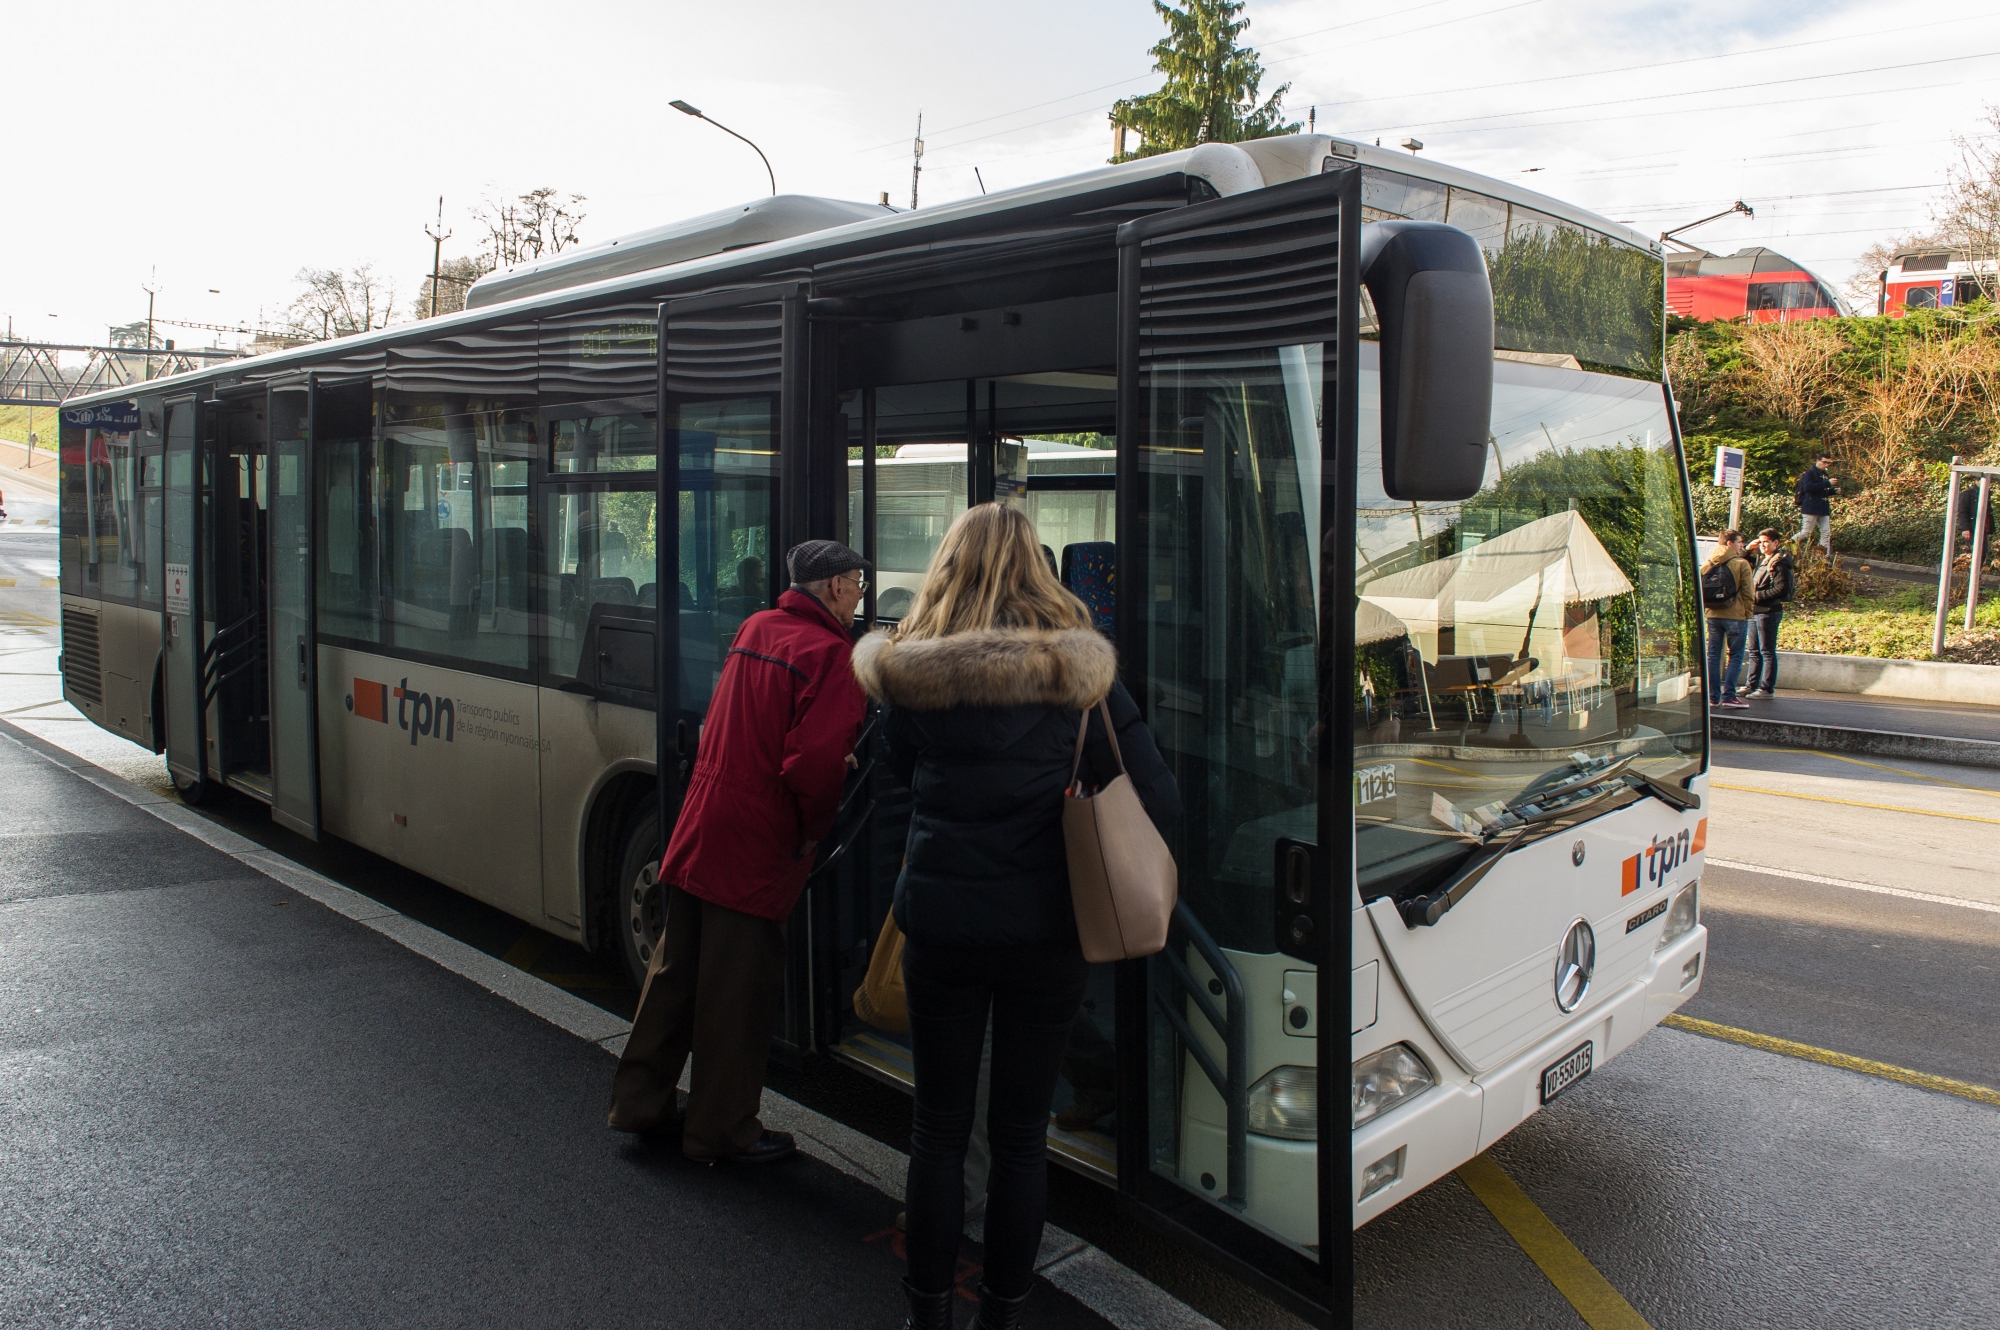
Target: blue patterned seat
{"x":1090,"y":571}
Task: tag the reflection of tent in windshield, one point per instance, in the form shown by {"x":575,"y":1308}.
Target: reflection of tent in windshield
{"x":1497,"y":598}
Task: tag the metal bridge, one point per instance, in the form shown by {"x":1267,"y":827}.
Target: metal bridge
{"x":32,"y":374}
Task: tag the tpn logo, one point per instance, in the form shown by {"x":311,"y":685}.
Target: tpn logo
{"x":419,"y":713}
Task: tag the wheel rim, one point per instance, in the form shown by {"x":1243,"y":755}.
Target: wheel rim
{"x":646,"y":910}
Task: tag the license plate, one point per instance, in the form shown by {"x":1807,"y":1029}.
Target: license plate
{"x":1571,"y":1068}
{"x":1373,"y":785}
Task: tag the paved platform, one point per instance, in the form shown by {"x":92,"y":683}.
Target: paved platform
{"x":227,"y":1104}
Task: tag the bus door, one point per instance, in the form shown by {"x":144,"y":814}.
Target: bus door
{"x":1237,"y":333}
{"x":293,"y":652}
{"x":732,"y":423}
{"x":182,"y":638}
{"x":235,"y":591}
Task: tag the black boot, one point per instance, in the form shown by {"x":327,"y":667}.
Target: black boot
{"x":998,"y":1313}
{"x":928,"y":1311}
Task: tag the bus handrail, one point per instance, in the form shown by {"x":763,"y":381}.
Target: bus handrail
{"x":1232,"y":1079}
{"x":223,"y":659}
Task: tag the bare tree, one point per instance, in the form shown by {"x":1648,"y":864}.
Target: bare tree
{"x":1969,"y":217}
{"x":1943,"y":377}
{"x":455,"y":277}
{"x":1793,"y":368}
{"x":1866,"y":285}
{"x":336,"y":302}
{"x":523,"y":228}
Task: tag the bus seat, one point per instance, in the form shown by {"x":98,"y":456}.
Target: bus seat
{"x":649,"y":595}
{"x":510,"y":566}
{"x":1050,"y":555}
{"x":612,"y":591}
{"x":1089,"y":570}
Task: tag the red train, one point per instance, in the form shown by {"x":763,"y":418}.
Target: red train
{"x":1931,"y":277}
{"x":1758,"y":284}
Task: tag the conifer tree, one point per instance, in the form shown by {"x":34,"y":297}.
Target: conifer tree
{"x":1211,"y":90}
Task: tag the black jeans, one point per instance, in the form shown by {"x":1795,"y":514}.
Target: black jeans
{"x":1760,"y":656}
{"x":1033,"y":992}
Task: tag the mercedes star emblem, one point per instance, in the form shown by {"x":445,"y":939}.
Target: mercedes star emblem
{"x":1576,"y":854}
{"x":1576,"y":959}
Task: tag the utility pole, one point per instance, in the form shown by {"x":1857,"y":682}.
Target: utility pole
{"x":917,"y":162}
{"x":150,"y":291}
{"x":437,"y":253}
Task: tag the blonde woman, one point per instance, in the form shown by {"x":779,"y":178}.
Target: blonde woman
{"x":985,"y":682}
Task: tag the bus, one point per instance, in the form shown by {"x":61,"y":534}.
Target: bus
{"x":1367,"y":464}
{"x":1757,"y":284}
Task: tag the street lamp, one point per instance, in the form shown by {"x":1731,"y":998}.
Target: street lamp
{"x":685,"y":109}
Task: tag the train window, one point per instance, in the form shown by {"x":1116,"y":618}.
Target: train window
{"x":1921,"y":297}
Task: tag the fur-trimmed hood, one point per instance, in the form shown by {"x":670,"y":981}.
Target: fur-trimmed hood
{"x":994,"y":667}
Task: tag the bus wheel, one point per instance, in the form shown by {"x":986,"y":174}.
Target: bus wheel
{"x":193,"y":793}
{"x":640,"y":909}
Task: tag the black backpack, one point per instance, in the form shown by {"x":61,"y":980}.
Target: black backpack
{"x":1718,"y":586}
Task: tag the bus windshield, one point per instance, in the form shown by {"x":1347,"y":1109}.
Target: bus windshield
{"x":1545,"y":624}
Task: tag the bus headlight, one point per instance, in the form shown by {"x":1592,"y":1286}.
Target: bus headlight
{"x":1681,"y":916}
{"x":1285,"y":1104}
{"x":1385,"y":1079}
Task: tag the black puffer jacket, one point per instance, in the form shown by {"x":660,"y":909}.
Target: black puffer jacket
{"x":982,"y":726}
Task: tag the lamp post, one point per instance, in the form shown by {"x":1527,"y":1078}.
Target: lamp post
{"x":685,"y":109}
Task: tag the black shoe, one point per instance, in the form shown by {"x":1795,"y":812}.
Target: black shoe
{"x":928,"y":1311}
{"x":768,"y":1146}
{"x":998,"y":1313}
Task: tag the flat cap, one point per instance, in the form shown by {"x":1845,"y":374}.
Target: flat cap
{"x":812,"y":560}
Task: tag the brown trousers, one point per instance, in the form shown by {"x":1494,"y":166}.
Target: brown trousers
{"x":712,"y":990}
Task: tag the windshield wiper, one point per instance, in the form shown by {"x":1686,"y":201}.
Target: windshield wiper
{"x":1523,"y":820}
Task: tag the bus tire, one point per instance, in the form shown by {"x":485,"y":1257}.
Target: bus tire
{"x":193,"y":793}
{"x":639,"y":902}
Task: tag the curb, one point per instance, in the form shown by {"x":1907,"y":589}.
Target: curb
{"x":1112,"y":1290}
{"x":1875,"y":743}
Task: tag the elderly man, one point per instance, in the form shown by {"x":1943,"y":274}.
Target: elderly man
{"x":765,"y":788}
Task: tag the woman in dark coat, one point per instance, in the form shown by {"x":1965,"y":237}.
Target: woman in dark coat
{"x":986,"y":681}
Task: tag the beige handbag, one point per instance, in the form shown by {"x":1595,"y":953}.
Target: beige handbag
{"x":880,"y":1000}
{"x":1122,"y":878}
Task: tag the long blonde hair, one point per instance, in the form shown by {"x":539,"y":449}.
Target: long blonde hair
{"x":989,"y":572}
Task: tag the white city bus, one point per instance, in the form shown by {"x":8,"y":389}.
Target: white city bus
{"x":1366,"y":463}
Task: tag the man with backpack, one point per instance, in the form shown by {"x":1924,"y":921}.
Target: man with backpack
{"x":1771,"y":586}
{"x":1814,"y":489}
{"x":1727,"y":595}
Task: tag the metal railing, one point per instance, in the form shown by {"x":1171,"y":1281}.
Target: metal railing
{"x":232,"y":650}
{"x":32,"y":374}
{"x":1232,"y":1023}
{"x":1950,"y":547}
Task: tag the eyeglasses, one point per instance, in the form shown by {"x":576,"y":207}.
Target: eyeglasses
{"x":860,"y":580}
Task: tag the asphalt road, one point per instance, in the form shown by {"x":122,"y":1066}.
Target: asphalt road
{"x":1708,"y":1183}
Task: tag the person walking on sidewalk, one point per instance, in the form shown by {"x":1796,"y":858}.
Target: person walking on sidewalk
{"x":766,"y":785}
{"x":986,"y":683}
{"x":1771,"y":586}
{"x":1728,"y":594}
{"x":1815,"y":489}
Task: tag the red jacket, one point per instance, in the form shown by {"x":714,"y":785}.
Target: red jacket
{"x":772,"y":761}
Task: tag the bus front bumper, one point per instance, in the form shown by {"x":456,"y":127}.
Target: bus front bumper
{"x":1443,"y":1127}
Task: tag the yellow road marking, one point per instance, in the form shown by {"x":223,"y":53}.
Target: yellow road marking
{"x":1854,"y":803}
{"x":1446,"y":766}
{"x":51,"y":581}
{"x":1601,"y":1306}
{"x":6,"y":581}
{"x":524,"y":953}
{"x":1923,"y":1080}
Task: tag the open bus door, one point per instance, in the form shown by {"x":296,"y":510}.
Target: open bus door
{"x":1237,"y":336}
{"x":293,"y":651}
{"x":732,"y":423}
{"x":185,"y":722}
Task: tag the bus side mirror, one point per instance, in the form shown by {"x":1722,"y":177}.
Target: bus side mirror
{"x":1434,"y":307}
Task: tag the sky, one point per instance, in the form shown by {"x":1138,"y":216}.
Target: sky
{"x":217,"y":148}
